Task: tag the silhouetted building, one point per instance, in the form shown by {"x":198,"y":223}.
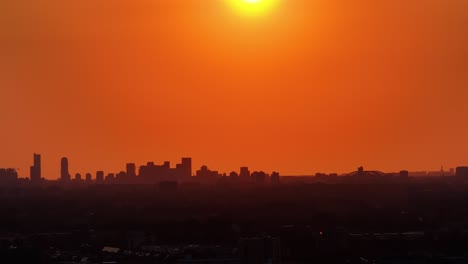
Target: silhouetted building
{"x":462,"y":172}
{"x":89,"y":177}
{"x":185,"y":169}
{"x":404,"y":174}
{"x":151,"y":173}
{"x":233,"y":176}
{"x":64,"y":173}
{"x":122,"y":177}
{"x":260,"y":250}
{"x":259,"y":177}
{"x":110,"y":178}
{"x":131,"y":170}
{"x":35,"y":173}
{"x":77,"y":177}
{"x":99,"y":177}
{"x":8,"y":176}
{"x":275,"y":178}
{"x":207,"y":176}
{"x":244,"y":174}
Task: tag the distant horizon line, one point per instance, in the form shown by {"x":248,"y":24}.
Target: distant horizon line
{"x":450,"y":171}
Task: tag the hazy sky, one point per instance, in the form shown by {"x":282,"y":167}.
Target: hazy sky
{"x":314,"y":85}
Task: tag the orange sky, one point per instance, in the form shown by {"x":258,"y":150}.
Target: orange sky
{"x":316,"y":85}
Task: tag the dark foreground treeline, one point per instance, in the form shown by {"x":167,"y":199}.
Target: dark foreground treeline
{"x":336,"y":223}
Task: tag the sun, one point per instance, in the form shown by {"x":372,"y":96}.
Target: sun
{"x":253,"y":7}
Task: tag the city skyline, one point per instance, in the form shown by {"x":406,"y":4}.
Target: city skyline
{"x":182,"y":170}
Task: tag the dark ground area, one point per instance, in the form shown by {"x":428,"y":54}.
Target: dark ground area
{"x":315,"y":223}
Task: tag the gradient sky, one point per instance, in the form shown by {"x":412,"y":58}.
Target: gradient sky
{"x":314,"y":85}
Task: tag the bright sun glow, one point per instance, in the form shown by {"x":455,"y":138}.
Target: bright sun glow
{"x":253,"y":7}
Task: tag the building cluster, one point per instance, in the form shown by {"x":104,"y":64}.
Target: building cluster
{"x":205,"y":175}
{"x":152,"y":173}
{"x":8,"y":176}
{"x":147,"y":174}
{"x":164,"y":174}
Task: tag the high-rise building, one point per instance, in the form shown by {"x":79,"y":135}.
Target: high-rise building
{"x":205,"y":175}
{"x":233,"y":175}
{"x":37,"y":163}
{"x":35,"y":172}
{"x":99,"y":177}
{"x":88,"y":177}
{"x":151,"y":173}
{"x":244,"y":174}
{"x":131,"y":170}
{"x":110,"y":177}
{"x":186,"y":168}
{"x":64,"y":173}
{"x":121,"y":177}
{"x":77,"y":177}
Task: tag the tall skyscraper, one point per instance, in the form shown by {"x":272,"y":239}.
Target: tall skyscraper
{"x":187,"y":167}
{"x":131,"y":170}
{"x":244,"y":174}
{"x":64,"y":174}
{"x":35,"y":172}
{"x":99,"y":177}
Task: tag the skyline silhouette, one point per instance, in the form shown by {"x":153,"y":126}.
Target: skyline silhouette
{"x":150,"y":172}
